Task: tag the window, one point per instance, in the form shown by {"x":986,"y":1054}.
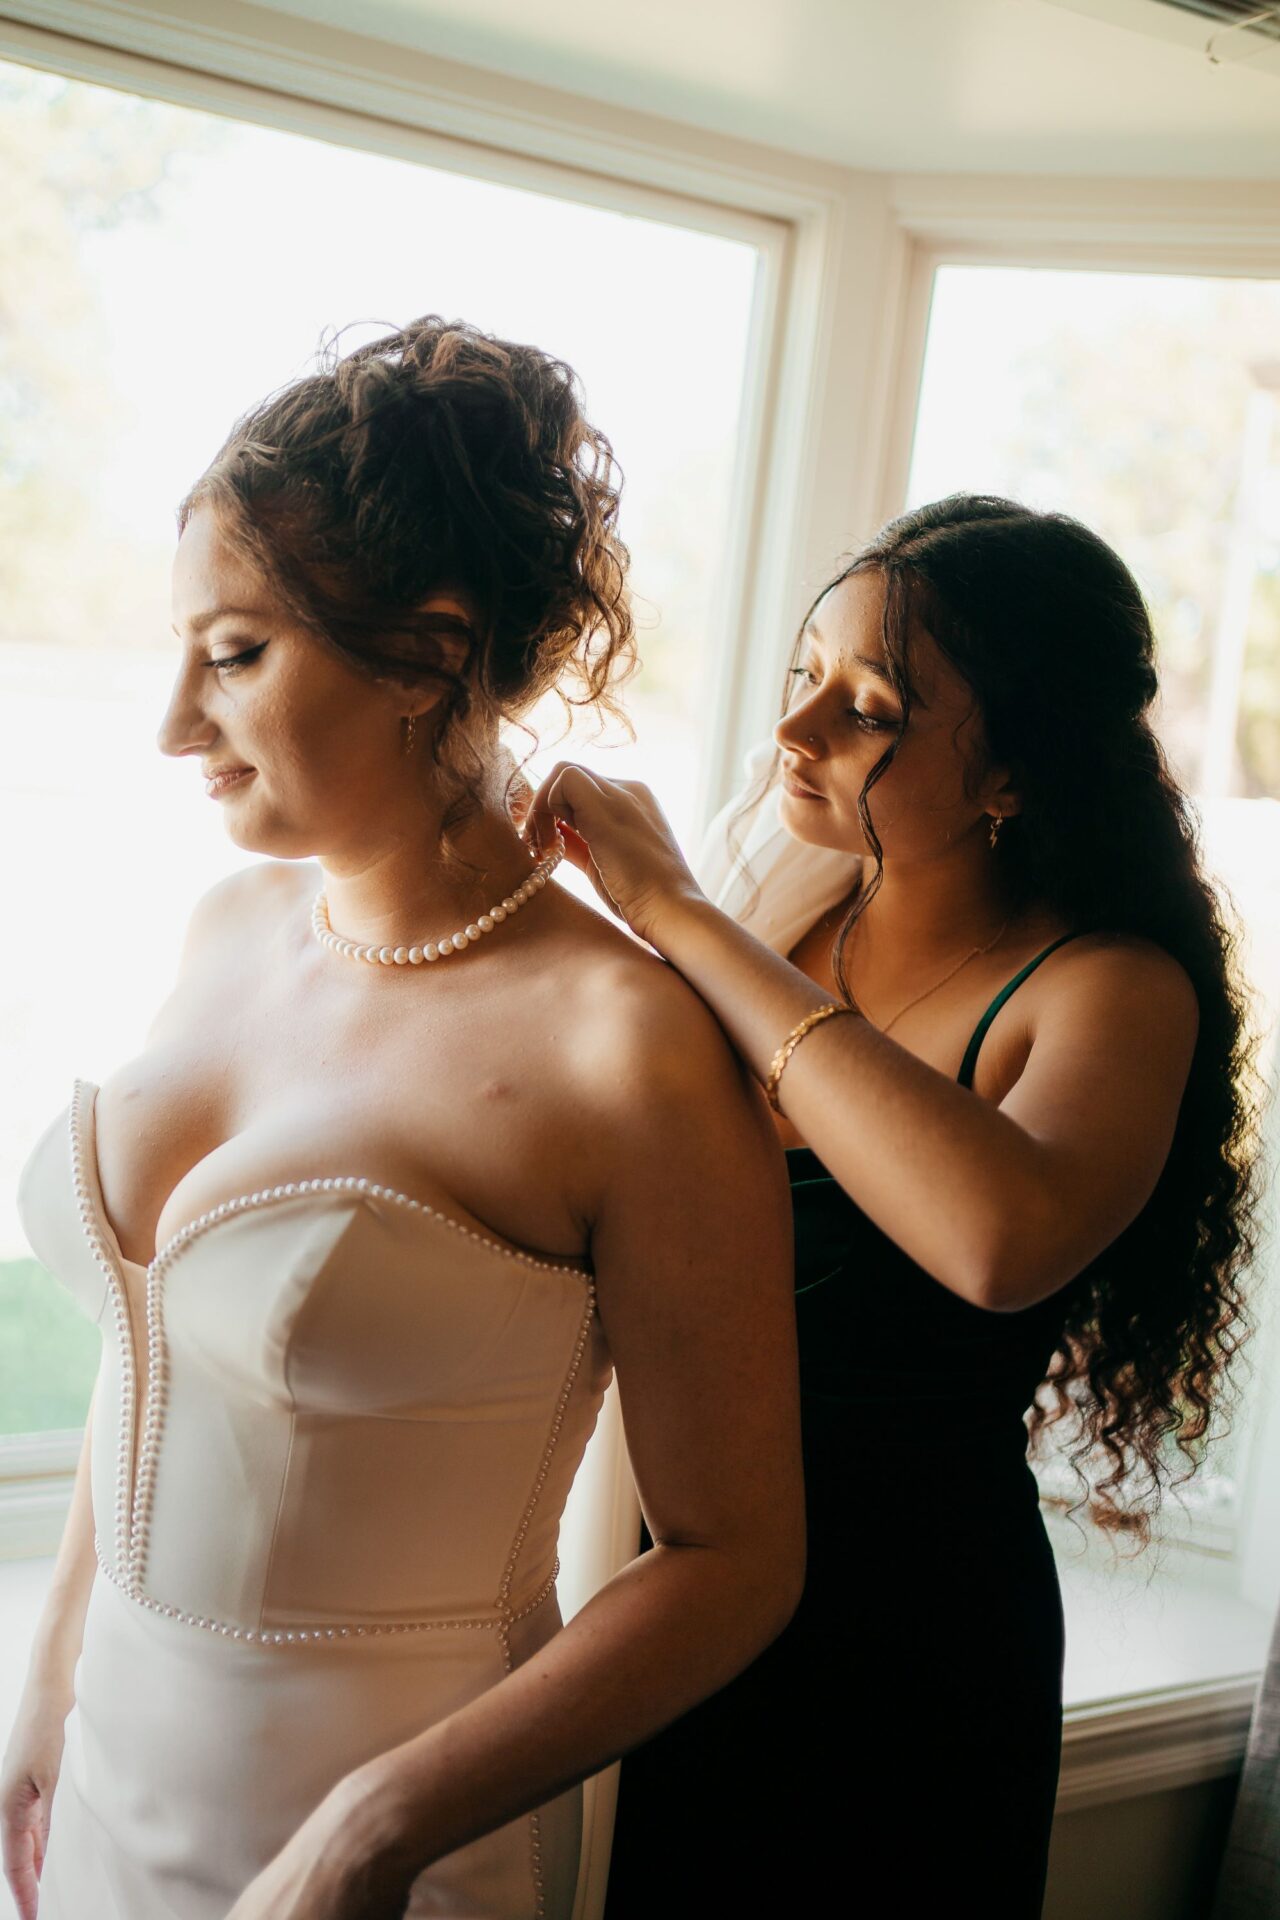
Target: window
{"x":1147,"y":405}
{"x":175,"y":266}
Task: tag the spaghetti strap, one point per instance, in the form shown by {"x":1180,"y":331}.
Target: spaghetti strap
{"x":970,"y":1061}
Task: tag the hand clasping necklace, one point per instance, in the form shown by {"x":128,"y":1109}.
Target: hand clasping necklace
{"x":430,"y":950}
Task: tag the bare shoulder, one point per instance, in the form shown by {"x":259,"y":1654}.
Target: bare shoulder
{"x":1129,"y":979}
{"x":645,"y":1045}
{"x":662,"y":1129}
{"x":248,"y":900}
{"x":628,"y":1023}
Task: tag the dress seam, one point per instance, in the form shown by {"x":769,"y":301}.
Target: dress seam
{"x":567,"y":1384}
{"x":275,"y":1525}
{"x":517,"y":1546}
{"x":92,"y":1218}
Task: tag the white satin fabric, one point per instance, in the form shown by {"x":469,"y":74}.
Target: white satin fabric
{"x":333,"y":1435}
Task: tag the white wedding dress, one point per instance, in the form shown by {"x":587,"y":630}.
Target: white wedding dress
{"x":333,"y":1435}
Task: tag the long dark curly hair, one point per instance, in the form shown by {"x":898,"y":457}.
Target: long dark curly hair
{"x":438,"y":455}
{"x":1049,"y":629}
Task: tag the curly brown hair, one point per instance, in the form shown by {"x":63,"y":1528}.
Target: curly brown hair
{"x":1049,"y":628}
{"x":439,"y":456}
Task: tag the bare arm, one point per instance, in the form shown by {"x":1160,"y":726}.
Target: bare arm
{"x":33,"y":1754}
{"x":56,"y":1645}
{"x":692,"y":1259}
{"x":692,"y":1255}
{"x":1001,"y":1204}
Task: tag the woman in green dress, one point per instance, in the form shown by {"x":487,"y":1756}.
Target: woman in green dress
{"x":971,"y":954}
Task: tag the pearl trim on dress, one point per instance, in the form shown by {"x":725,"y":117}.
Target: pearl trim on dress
{"x":134,"y":1503}
{"x":105,"y":1261}
{"x":328,"y":1635}
{"x":517,"y":1545}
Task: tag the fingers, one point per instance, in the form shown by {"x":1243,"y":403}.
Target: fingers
{"x":24,"y":1884}
{"x":576,"y":850}
{"x":566,"y":788}
{"x":579,"y":855}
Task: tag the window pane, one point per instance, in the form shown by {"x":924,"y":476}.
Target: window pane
{"x":1144,"y":404}
{"x":167,"y":268}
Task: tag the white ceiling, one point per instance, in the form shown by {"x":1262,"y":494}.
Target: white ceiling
{"x":1004,"y":86}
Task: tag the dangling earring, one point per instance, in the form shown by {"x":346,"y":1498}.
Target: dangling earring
{"x":997,"y":822}
{"x":408,"y":732}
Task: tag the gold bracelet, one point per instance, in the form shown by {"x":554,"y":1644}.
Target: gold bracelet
{"x":790,"y":1044}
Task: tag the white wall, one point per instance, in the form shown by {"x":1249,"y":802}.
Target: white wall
{"x":1154,"y":1857}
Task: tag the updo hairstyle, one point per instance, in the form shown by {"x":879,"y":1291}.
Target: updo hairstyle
{"x":439,"y":457}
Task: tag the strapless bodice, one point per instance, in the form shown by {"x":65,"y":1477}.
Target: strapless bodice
{"x":325,"y":1409}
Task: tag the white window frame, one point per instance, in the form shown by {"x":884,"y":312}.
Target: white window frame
{"x":821,"y":231}
{"x":1156,"y":228}
{"x":808,"y":222}
{"x":1184,"y":1734}
{"x":1117,"y":225}
{"x":36,"y":1475}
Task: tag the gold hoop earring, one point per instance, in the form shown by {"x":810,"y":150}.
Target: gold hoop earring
{"x":409,"y":723}
{"x":996,"y":824}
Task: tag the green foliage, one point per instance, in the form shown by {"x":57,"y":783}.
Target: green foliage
{"x":48,"y":1352}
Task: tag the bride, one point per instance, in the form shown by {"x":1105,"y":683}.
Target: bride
{"x":418,"y":1148}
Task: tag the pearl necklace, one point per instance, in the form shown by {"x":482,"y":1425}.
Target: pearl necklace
{"x":436,"y":949}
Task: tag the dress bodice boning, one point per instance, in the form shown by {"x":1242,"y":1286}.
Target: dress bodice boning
{"x":326,"y":1361}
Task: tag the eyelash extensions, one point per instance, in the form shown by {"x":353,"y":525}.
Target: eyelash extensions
{"x":231,"y":661}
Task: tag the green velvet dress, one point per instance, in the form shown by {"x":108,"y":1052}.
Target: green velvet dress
{"x":895,"y":1752}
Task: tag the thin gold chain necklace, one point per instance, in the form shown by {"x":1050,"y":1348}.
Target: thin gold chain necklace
{"x":951,"y":973}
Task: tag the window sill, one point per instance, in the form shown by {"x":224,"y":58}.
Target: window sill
{"x":39,"y":1472}
{"x":1161,"y":1672}
{"x":1179,"y":1737}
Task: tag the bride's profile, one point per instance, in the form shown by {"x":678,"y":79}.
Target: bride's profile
{"x":418,"y":1149}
